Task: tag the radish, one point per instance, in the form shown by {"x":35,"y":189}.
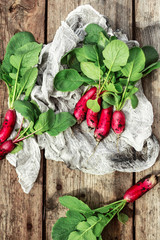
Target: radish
{"x":141,"y":187}
{"x":104,"y":124}
{"x":92,"y":117}
{"x":6,"y":148}
{"x":81,"y":107}
{"x":118,"y":122}
{"x":8,"y":125}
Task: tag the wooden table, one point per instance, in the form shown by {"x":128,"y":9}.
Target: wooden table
{"x":30,"y":217}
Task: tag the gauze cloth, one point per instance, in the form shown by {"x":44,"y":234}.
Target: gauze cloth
{"x":137,"y":149}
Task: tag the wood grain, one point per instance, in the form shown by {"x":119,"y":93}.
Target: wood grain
{"x":94,"y":190}
{"x":147,"y":218}
{"x":20,"y":214}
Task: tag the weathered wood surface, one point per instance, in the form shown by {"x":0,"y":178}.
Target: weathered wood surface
{"x":147,"y":32}
{"x":20,"y":214}
{"x":32,"y":216}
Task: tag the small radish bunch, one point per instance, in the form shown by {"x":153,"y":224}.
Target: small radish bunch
{"x":19,"y":70}
{"x":102,"y":126}
{"x":106,"y":120}
{"x":89,"y":224}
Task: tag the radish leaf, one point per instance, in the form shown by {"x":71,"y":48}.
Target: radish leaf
{"x":25,"y":108}
{"x":116,"y":54}
{"x":68,"y":80}
{"x":64,"y":226}
{"x":63,"y":121}
{"x":74,"y":203}
{"x":150,"y":68}
{"x":123,"y":218}
{"x":91,"y":70}
{"x":45,"y":122}
{"x":151,"y":55}
{"x":134,"y":101}
{"x":17,"y":41}
{"x":93,"y":31}
{"x":93,"y":105}
{"x":135,"y":64}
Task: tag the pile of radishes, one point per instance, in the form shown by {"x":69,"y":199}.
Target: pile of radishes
{"x":102,"y":123}
{"x":19,"y":70}
{"x":111,"y":70}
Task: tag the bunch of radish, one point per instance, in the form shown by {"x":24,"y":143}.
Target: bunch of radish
{"x":19,"y":70}
{"x":82,"y":222}
{"x":102,"y":123}
{"x":111,"y":70}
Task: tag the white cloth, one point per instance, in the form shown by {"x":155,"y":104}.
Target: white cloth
{"x":137,"y":149}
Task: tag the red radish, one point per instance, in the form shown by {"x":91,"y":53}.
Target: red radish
{"x":81,"y":107}
{"x":118,"y":122}
{"x":8,"y":125}
{"x":6,"y":148}
{"x":141,"y":187}
{"x":92,"y":117}
{"x":104,"y":124}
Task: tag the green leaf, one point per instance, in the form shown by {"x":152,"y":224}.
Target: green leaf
{"x":132,"y":91}
{"x":150,"y":68}
{"x":88,"y":81}
{"x":25,"y":108}
{"x":29,"y":54}
{"x":76,"y":215}
{"x":116,"y":54}
{"x":92,"y":220}
{"x":102,"y":41}
{"x":91,"y":70}
{"x":123,"y":218}
{"x":67,"y":80}
{"x":73,"y":63}
{"x":98,"y":229}
{"x":17,"y":148}
{"x":151,"y":55}
{"x":93,"y":28}
{"x":90,"y":52}
{"x":30,"y":77}
{"x":15,"y":61}
{"x":74,"y":203}
{"x":28,"y":81}
{"x":36,"y":109}
{"x":111,"y":98}
{"x":12,"y":75}
{"x":64,"y":226}
{"x":93,"y":105}
{"x":63,"y":121}
{"x":83,"y":226}
{"x":80,"y":55}
{"x":17,"y":41}
{"x":117,"y":87}
{"x":134,"y":101}
{"x":135,"y":64}
{"x":82,"y":235}
{"x":105,"y":105}
{"x":45,"y":122}
{"x":93,"y":31}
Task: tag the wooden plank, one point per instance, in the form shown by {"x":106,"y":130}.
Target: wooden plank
{"x":94,"y":190}
{"x":20,"y":214}
{"x":147,"y":219}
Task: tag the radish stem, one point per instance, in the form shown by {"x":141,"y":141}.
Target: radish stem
{"x":19,"y":129}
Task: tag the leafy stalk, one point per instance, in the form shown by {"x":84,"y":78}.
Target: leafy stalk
{"x":15,"y":85}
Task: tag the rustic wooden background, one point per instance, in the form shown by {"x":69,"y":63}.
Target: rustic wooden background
{"x":30,"y":217}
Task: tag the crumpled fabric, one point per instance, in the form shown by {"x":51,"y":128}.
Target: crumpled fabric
{"x":136,"y":150}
